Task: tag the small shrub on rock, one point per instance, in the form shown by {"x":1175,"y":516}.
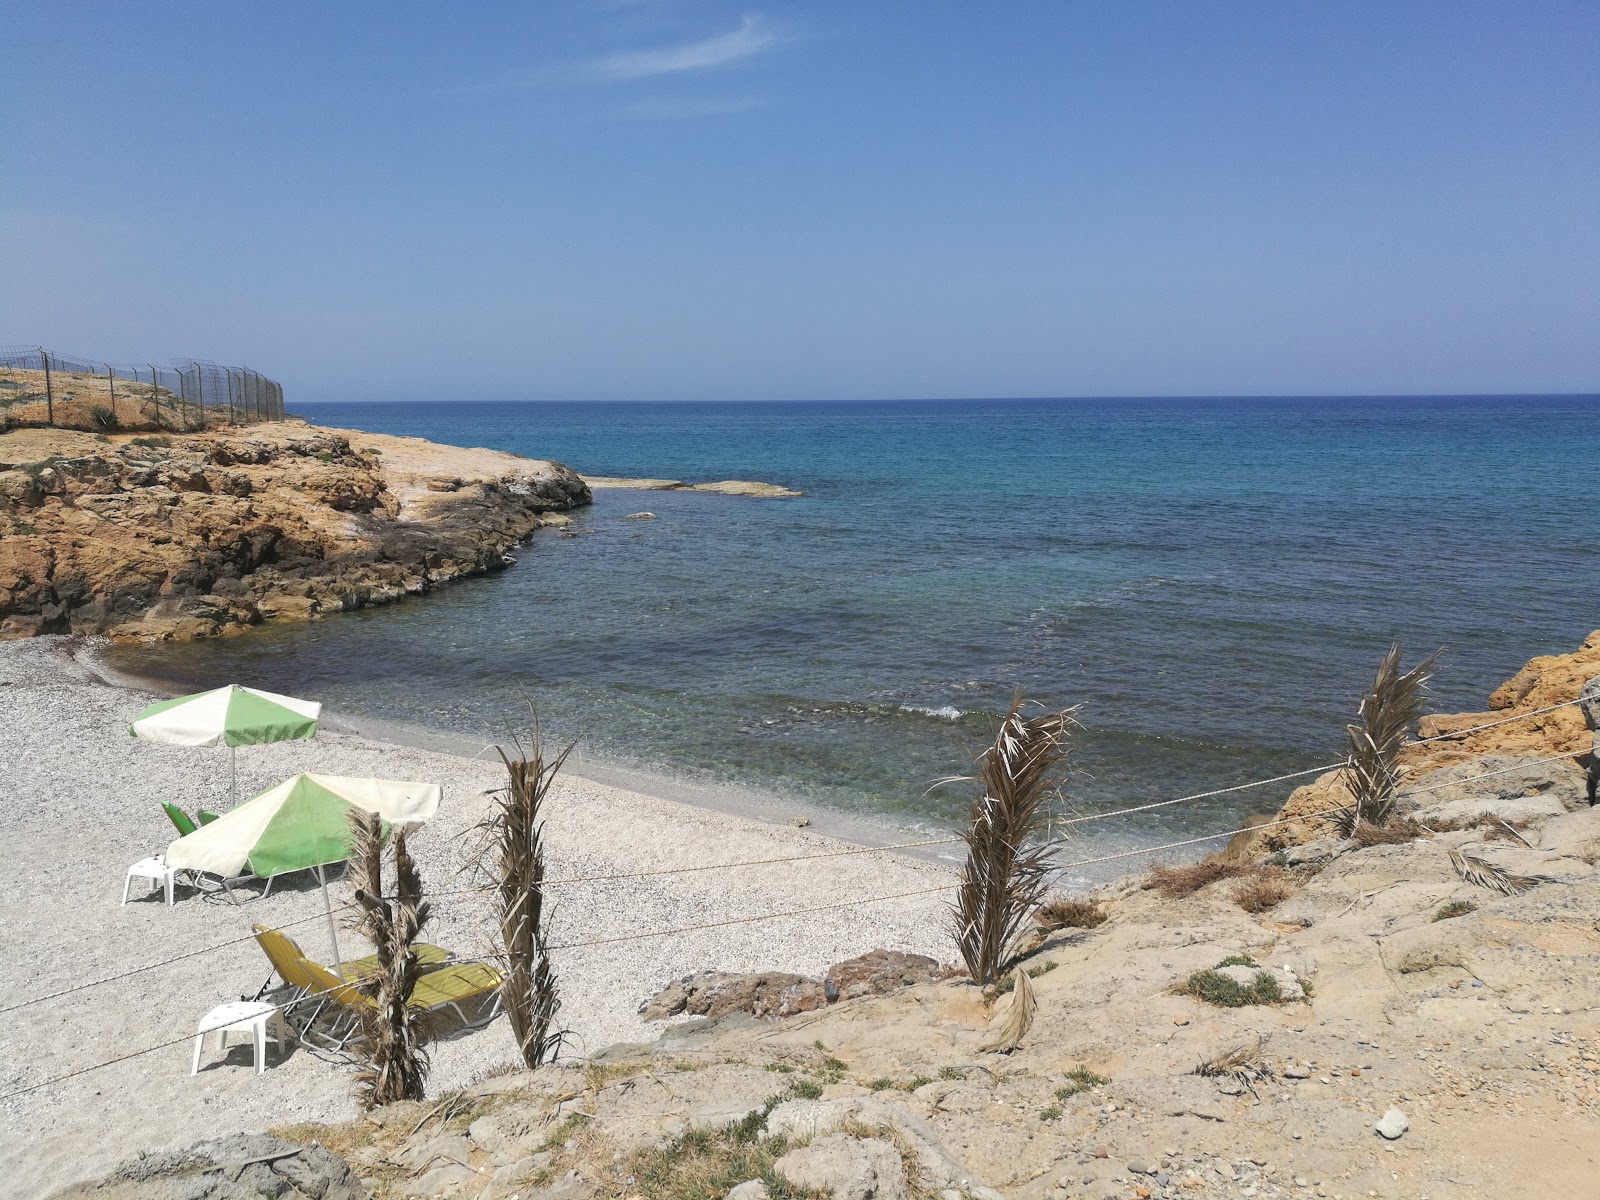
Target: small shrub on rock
{"x":1214,"y":987}
{"x":1007,"y":985}
{"x":1266,"y":889}
{"x":1069,"y":913}
{"x":1456,"y":908}
{"x":1174,"y":881}
{"x":1394,"y":832}
{"x":1080,"y":1079}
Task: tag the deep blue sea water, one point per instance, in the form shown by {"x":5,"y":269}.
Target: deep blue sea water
{"x":1213,"y":580}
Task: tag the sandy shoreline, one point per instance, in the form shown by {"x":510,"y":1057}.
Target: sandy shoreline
{"x":79,"y":801}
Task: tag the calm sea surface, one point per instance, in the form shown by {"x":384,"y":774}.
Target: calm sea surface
{"x":1212,"y":580}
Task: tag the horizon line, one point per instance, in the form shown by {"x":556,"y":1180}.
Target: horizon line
{"x":1594,"y":395}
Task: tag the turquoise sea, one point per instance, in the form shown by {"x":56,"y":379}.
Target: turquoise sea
{"x":1213,"y":580}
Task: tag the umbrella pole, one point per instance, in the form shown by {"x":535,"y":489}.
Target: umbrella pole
{"x":233,"y":758}
{"x":333,"y":933}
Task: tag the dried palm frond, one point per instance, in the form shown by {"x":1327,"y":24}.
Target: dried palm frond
{"x":1387,"y":712}
{"x":1243,"y":1063}
{"x":395,"y":1064}
{"x":1504,"y":829}
{"x":1005,"y":875}
{"x":1497,"y":879}
{"x":1008,"y":1035}
{"x":516,"y":838}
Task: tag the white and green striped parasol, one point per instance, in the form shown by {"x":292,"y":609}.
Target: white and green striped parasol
{"x":233,"y":716}
{"x":301,"y":824}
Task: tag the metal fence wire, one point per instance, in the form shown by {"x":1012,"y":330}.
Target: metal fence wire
{"x":39,"y":387}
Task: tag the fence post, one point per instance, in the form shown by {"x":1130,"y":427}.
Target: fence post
{"x":155,"y":394}
{"x":49,"y":392}
{"x":111,"y":385}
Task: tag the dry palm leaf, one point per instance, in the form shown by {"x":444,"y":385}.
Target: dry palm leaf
{"x":530,"y":992}
{"x":395,"y":1064}
{"x":1008,"y":1035}
{"x":1497,"y":879}
{"x":1387,"y":712}
{"x":1006,"y":873}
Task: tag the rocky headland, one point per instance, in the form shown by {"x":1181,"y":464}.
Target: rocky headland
{"x":190,"y":535}
{"x":1413,"y":1016}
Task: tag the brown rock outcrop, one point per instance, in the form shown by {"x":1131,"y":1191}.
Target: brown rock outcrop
{"x":717,"y":993}
{"x":779,"y":994}
{"x":188,"y":536}
{"x":1545,"y":681}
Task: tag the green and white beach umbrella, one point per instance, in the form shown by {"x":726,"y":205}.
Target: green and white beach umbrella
{"x":233,"y":716}
{"x":301,"y":824}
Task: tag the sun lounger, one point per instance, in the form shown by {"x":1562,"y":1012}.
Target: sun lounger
{"x":180,"y":819}
{"x":448,"y":986}
{"x":289,"y":961}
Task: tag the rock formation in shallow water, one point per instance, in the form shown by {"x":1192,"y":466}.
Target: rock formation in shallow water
{"x":188,"y":536}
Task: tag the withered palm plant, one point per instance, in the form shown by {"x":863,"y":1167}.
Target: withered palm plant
{"x":1006,"y":872}
{"x":516,"y":839}
{"x":1387,"y":713}
{"x":395,"y":1064}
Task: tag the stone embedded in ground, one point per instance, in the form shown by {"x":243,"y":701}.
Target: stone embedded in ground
{"x":780,"y":994}
{"x":752,"y":1189}
{"x":1392,"y":1124}
{"x":716,"y":993}
{"x":879,"y":972}
{"x":721,"y":1114}
{"x":847,"y":1168}
{"x":227,"y":1169}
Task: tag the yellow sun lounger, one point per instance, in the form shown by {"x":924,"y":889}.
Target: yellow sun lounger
{"x":284,"y":953}
{"x":449,"y":986}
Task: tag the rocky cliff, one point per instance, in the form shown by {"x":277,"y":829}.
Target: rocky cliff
{"x":1543,"y":682}
{"x":186,"y":536}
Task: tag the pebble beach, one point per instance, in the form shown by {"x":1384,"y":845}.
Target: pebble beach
{"x":80,"y":801}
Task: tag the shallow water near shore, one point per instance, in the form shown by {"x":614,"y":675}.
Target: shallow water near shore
{"x":1213,"y":580}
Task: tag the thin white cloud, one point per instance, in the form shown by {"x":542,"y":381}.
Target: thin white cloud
{"x":751,"y":38}
{"x":669,"y":108}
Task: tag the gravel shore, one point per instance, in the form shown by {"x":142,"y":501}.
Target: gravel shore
{"x":80,"y":801}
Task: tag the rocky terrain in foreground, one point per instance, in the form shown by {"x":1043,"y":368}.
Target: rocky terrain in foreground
{"x":1414,"y":1016}
{"x":189,"y":535}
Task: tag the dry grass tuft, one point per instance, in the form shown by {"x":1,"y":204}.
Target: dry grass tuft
{"x":1456,"y":908}
{"x":1064,"y":912}
{"x":1243,"y":1063}
{"x":1176,"y":880}
{"x":1267,"y":888}
{"x":1394,"y":832}
{"x":706,"y":1164}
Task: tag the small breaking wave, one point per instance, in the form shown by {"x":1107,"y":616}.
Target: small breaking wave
{"x":947,"y":712}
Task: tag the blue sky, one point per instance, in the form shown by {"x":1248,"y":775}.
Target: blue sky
{"x":689,"y":199}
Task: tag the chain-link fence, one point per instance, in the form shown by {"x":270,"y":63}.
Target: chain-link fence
{"x":40,"y":387}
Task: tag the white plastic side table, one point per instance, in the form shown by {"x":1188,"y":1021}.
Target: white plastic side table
{"x":154,"y":869}
{"x":250,"y":1016}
